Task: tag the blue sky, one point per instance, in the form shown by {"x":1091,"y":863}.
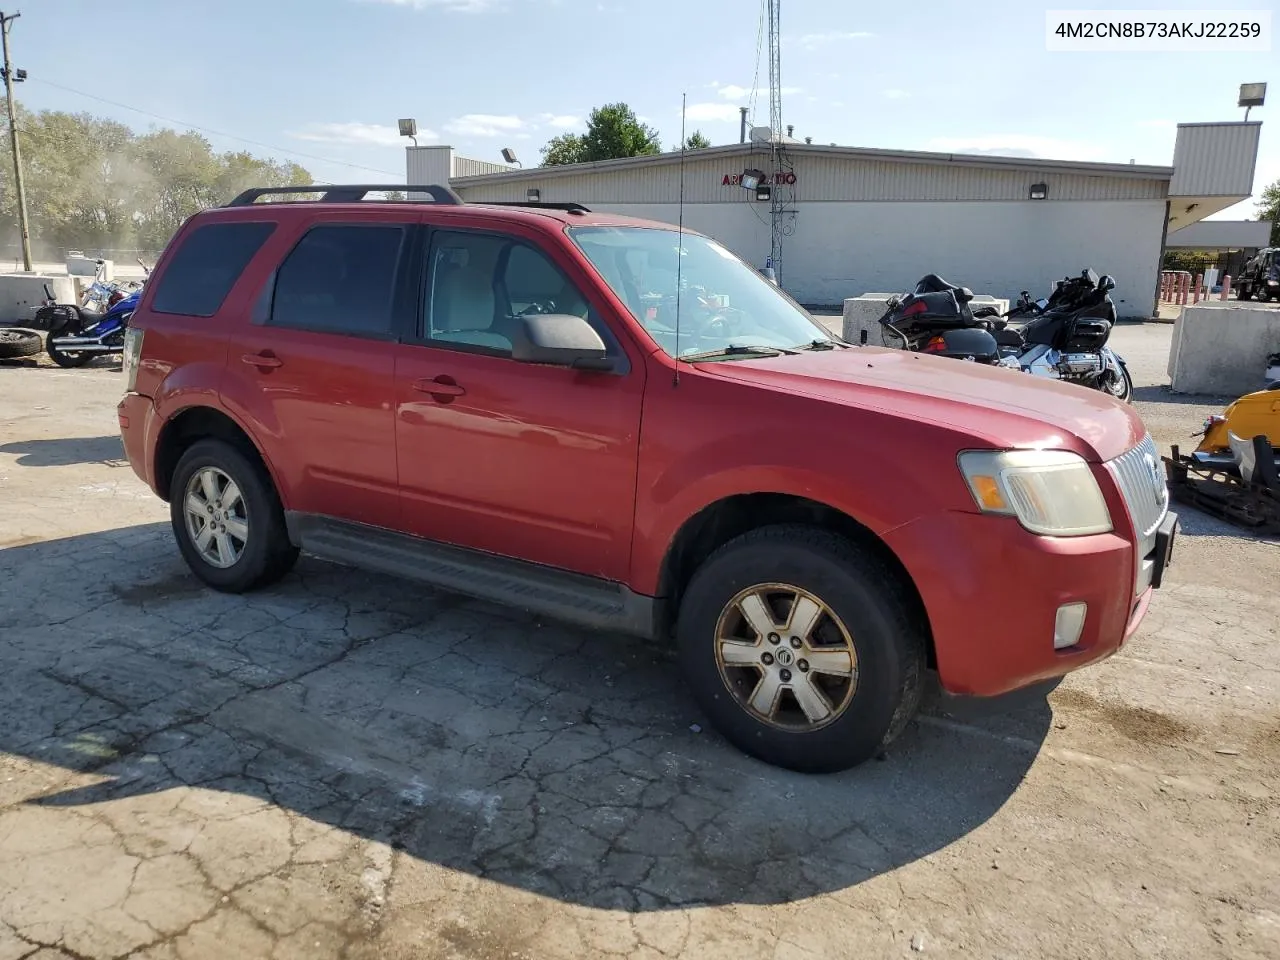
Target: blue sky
{"x":322,"y":82}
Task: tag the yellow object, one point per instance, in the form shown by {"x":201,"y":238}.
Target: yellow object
{"x":989,"y":493}
{"x":1253,"y":414}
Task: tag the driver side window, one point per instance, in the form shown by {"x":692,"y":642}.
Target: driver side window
{"x":480,"y":285}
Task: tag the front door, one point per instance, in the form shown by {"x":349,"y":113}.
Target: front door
{"x":525,"y":460}
{"x":320,"y":352}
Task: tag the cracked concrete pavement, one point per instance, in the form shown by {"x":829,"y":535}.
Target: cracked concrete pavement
{"x":351,"y":766}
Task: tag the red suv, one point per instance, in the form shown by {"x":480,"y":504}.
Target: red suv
{"x":614,"y":423}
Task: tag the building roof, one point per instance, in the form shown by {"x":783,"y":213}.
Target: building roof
{"x":1139,"y":171}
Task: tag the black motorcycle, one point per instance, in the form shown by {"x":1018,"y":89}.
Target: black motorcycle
{"x":1066,"y":338}
{"x":936,"y":318}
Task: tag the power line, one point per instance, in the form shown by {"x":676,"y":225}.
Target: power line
{"x":216,"y":133}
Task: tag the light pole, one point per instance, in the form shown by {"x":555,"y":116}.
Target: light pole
{"x":9,"y":77}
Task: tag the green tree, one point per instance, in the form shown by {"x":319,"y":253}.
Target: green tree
{"x":566,"y":148}
{"x":613,"y":131}
{"x":95,"y":185}
{"x":1269,"y":209}
{"x":696,"y":141}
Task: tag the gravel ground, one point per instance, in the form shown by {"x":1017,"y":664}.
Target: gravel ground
{"x":349,"y":766}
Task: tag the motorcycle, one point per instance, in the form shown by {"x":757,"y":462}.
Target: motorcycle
{"x":78,"y":333}
{"x":936,"y":318}
{"x":1067,"y":340}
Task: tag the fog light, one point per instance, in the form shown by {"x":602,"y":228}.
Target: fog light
{"x":1068,"y":625}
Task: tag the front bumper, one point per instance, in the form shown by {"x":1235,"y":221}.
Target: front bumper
{"x":992,"y":591}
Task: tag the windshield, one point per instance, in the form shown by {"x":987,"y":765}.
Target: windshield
{"x":724,"y":304}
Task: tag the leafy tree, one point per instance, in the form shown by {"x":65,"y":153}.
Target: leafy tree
{"x":93,"y":184}
{"x":696,"y":141}
{"x":566,"y":148}
{"x":1269,"y":209}
{"x":613,"y":131}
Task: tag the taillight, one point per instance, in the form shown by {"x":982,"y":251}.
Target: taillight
{"x":131,"y":357}
{"x":918,"y":307}
{"x":935,"y":345}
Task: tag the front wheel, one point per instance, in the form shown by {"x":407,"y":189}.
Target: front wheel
{"x":1118,"y":383}
{"x":227,"y":519}
{"x":801,"y":648}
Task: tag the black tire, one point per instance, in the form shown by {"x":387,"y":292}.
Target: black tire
{"x":63,"y":358}
{"x":267,"y":553}
{"x":1125,"y":391}
{"x":887,"y":634}
{"x":19,"y":343}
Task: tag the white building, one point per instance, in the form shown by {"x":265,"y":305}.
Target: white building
{"x":856,"y":220}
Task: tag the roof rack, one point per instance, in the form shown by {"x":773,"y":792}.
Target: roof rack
{"x":549,"y":204}
{"x":350,"y":193}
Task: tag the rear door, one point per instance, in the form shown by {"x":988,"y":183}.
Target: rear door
{"x":318,"y":356}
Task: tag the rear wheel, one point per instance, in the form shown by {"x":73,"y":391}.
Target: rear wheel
{"x":66,"y":357}
{"x":228,"y":520}
{"x":801,"y":648}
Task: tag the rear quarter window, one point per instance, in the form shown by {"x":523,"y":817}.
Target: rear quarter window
{"x":206,"y":266}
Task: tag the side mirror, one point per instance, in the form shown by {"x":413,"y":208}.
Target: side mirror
{"x":561,"y":339}
{"x":964,"y":294}
{"x":1108,"y":282}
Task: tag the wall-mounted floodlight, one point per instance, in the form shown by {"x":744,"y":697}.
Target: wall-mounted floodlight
{"x":763,"y":192}
{"x":409,"y":128}
{"x":1039,"y":191}
{"x":533,"y":195}
{"x":509,"y":155}
{"x":751,"y":179}
{"x":1251,"y":95}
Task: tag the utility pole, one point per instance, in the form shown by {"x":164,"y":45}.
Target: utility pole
{"x":5,"y":21}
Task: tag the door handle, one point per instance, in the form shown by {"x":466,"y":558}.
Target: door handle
{"x":441,"y":387}
{"x":263,"y":361}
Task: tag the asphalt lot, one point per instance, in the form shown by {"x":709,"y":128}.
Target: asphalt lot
{"x":350,"y":766}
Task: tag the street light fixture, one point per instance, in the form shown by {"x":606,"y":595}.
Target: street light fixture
{"x":1251,"y":95}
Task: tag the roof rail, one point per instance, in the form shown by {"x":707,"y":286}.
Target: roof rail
{"x":349,"y":193}
{"x":549,"y":204}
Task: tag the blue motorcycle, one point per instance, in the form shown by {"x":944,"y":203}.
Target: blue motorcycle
{"x":78,"y":334}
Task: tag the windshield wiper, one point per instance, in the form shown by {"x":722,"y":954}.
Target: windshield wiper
{"x":822,"y":345}
{"x":736,"y":350}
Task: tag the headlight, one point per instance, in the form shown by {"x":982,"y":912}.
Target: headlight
{"x":1051,"y":492}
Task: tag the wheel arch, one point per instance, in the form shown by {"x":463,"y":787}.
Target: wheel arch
{"x":729,"y":517}
{"x":195,"y":423}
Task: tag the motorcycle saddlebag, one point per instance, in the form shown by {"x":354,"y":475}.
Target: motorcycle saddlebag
{"x":1087,"y":335}
{"x":968,"y":344}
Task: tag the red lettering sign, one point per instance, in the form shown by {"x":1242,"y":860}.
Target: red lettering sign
{"x":782,"y":178}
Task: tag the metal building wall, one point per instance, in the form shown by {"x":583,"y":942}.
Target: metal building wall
{"x":1215,"y":159}
{"x":819,"y":177}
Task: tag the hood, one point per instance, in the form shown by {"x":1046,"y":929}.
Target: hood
{"x":999,"y":406}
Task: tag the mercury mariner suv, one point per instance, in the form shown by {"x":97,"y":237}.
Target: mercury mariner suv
{"x":627,"y":427}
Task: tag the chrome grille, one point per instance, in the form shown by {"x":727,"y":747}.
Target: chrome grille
{"x":1139,"y":473}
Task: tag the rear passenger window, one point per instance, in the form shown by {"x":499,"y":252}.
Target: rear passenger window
{"x":205,"y":268}
{"x":339,"y":279}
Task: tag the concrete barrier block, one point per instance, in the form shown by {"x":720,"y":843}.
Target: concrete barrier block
{"x":1221,"y":347}
{"x":22,"y":294}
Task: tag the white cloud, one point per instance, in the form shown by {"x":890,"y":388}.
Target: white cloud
{"x":712,"y":112}
{"x":811,"y":41}
{"x":359,"y":133}
{"x":1020,"y":145}
{"x":483,"y":125}
{"x":895,"y":94}
{"x":564,"y":121}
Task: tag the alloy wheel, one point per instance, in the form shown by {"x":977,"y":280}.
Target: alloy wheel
{"x":216,"y":517}
{"x":786,"y":657}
